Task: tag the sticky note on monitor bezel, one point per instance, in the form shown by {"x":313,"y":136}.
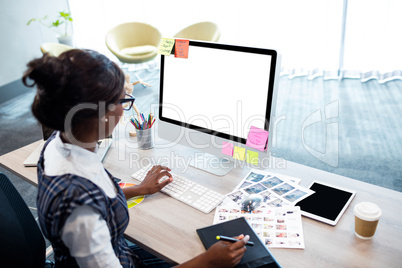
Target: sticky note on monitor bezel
{"x":181,"y":48}
{"x":227,"y":148}
{"x":257,"y":138}
{"x":166,"y":45}
{"x":239,"y":153}
{"x":252,"y":157}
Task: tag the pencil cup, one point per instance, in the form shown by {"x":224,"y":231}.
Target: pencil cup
{"x":145,"y":138}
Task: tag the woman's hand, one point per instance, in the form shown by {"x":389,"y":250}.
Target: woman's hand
{"x":226,"y":254}
{"x":151,"y":184}
{"x":220,"y":254}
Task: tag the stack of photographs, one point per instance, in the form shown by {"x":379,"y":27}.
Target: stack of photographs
{"x":267,"y":201}
{"x":277,"y":227}
{"x":275,"y":189}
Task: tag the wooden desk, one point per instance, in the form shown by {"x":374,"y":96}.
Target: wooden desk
{"x":167,"y":226}
{"x":14,"y":160}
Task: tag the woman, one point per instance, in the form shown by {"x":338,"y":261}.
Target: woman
{"x":82,"y":210}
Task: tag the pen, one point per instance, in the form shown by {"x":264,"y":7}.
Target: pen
{"x":231,"y":239}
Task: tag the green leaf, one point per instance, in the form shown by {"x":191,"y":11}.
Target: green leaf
{"x":57,"y":23}
{"x":31,"y":20}
{"x":65,"y":15}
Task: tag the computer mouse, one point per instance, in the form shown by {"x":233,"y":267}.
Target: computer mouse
{"x":251,"y":202}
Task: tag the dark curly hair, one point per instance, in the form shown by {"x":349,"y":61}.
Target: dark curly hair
{"x":75,"y":77}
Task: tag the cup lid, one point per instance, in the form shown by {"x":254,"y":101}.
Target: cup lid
{"x":367,"y":211}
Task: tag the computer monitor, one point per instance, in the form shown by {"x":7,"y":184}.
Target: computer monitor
{"x":215,"y":96}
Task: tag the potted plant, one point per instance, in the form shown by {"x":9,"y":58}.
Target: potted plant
{"x":64,"y":18}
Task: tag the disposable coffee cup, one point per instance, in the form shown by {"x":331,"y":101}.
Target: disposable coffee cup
{"x":367,"y":215}
{"x":145,"y":138}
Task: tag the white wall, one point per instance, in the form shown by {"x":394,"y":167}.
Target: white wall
{"x":21,"y":43}
{"x":297,"y":30}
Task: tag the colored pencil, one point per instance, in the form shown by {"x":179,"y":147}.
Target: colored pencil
{"x":152,"y":123}
{"x":146,"y":124}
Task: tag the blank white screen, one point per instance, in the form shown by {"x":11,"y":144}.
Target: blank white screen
{"x":222,"y":90}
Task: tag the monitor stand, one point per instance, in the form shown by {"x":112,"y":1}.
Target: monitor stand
{"x":212,"y":164}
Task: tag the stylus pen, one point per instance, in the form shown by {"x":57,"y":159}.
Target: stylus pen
{"x":231,"y":239}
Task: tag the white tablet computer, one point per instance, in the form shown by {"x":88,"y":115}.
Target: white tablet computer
{"x":327,"y":204}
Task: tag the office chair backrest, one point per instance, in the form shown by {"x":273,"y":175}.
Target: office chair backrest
{"x":203,"y":31}
{"x":54,"y":49}
{"x":21,"y":241}
{"x":133,"y":42}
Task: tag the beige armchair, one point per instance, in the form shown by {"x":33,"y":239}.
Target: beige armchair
{"x":133,"y":42}
{"x":203,"y":31}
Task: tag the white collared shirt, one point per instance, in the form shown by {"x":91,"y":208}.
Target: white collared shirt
{"x":85,"y":232}
{"x":65,"y":158}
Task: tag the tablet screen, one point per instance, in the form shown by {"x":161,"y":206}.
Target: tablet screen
{"x":327,"y":204}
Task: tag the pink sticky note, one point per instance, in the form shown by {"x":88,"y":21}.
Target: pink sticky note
{"x":181,"y":48}
{"x":227,"y":148}
{"x":257,"y":138}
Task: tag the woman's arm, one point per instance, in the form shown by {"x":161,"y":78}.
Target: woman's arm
{"x":87,"y":237}
{"x":220,"y":254}
{"x":151,"y":184}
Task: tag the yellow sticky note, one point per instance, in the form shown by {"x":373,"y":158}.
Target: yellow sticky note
{"x":166,"y":46}
{"x":252,"y":157}
{"x":239,"y":153}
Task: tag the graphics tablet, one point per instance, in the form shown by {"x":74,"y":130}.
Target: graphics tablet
{"x":327,"y":204}
{"x":256,"y":256}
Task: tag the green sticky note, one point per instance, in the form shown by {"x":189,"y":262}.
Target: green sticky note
{"x":252,"y":157}
{"x":166,"y":46}
{"x":239,"y":153}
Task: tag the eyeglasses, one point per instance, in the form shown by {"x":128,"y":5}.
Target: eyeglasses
{"x":127,"y":102}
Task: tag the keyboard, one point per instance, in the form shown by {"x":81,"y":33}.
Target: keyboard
{"x":186,"y":191}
